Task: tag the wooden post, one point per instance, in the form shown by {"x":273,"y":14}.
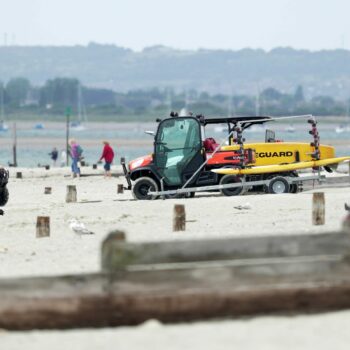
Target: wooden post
{"x":14,"y":147}
{"x":94,"y":166}
{"x":47,"y":190}
{"x":318,"y":208}
{"x":346,"y":223}
{"x":19,"y":175}
{"x":68,"y":110}
{"x":43,"y":226}
{"x":179,"y":220}
{"x":71,"y":196}
{"x":120,"y":189}
{"x":111,"y":249}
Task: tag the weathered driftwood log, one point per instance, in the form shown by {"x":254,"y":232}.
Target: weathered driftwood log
{"x":47,"y":190}
{"x":43,"y":226}
{"x":120,"y":188}
{"x":109,"y":256}
{"x":318,"y":208}
{"x":179,"y":220}
{"x":71,"y":196}
{"x":123,"y":254}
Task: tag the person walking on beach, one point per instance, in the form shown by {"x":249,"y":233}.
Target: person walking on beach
{"x":108,"y":156}
{"x":54,"y":155}
{"x":75,"y":153}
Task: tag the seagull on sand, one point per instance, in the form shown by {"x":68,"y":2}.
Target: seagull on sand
{"x":244,"y":206}
{"x":79,"y":228}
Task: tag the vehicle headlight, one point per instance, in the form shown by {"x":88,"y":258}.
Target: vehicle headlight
{"x":136,"y":163}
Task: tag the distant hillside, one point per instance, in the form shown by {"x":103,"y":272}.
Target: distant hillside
{"x":215,"y":71}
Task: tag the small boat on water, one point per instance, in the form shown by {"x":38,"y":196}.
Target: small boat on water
{"x":77,"y":126}
{"x":220,"y":129}
{"x":39,"y":126}
{"x":3,"y":126}
{"x":345,"y":126}
{"x":290,"y":128}
{"x":342,"y":128}
{"x":256,"y":128}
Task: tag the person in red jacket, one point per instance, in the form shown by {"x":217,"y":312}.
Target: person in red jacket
{"x":107,"y":155}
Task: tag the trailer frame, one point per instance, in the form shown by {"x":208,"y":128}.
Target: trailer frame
{"x":245,"y":184}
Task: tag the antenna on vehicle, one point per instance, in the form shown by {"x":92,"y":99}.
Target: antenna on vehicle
{"x":281,"y":118}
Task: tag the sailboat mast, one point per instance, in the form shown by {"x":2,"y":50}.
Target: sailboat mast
{"x":79,"y":102}
{"x":2,"y":101}
{"x":169,"y":101}
{"x":257,"y":101}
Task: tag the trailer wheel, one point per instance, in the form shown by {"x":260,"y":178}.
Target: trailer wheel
{"x":141,"y":188}
{"x":278,"y":185}
{"x":230,"y":179}
{"x":4,"y":196}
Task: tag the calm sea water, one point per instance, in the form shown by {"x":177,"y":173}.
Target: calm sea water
{"x":130,"y":140}
{"x":34,"y":146}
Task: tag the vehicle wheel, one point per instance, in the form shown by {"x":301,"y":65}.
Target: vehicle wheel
{"x":141,"y":188}
{"x":231,"y":179}
{"x":294,"y":187}
{"x":4,"y":196}
{"x":278,"y":185}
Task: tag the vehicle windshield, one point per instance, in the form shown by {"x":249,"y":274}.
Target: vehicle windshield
{"x":177,"y":141}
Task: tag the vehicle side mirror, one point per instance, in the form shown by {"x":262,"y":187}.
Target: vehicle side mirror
{"x":148,"y":132}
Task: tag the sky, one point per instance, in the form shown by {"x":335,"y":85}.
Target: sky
{"x":181,"y":24}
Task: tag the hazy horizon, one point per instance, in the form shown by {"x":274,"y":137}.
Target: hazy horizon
{"x":187,"y":25}
{"x":9,"y":45}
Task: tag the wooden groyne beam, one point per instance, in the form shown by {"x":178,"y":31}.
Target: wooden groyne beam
{"x":288,"y":274}
{"x":119,"y":254}
{"x":185,"y":295}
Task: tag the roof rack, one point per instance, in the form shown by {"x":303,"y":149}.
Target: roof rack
{"x":245,"y":121}
{"x":233,"y":120}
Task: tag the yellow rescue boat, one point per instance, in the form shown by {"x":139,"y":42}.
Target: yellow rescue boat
{"x":276,"y":168}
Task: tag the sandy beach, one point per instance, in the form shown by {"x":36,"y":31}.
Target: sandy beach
{"x":102,"y":210}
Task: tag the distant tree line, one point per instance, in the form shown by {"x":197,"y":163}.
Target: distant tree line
{"x":325,"y":72}
{"x":18,"y":95}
